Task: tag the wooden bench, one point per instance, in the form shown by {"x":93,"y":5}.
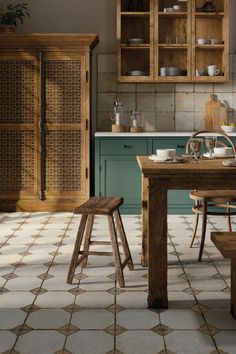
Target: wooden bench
{"x":108,"y":206}
{"x":225,"y":242}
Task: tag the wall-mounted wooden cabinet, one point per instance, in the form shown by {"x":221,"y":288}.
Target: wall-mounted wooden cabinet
{"x":44,"y":121}
{"x":135,"y":40}
{"x":158,"y":43}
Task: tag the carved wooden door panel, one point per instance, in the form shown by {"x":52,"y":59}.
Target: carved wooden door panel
{"x":64,"y":139}
{"x":18,"y":125}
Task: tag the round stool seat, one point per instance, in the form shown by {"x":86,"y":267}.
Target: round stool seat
{"x":215,"y":196}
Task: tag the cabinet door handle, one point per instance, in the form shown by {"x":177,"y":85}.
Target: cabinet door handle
{"x":127,"y":146}
{"x":180,"y":147}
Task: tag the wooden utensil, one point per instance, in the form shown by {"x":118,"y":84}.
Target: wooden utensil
{"x":215,"y":113}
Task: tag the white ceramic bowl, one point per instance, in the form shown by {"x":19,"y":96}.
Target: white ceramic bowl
{"x":228,"y":128}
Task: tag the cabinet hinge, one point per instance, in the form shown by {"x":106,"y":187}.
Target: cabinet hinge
{"x":86,"y":173}
{"x":87,"y":124}
{"x":87,"y":76}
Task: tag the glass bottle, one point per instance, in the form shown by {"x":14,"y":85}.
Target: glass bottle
{"x":117,"y":114}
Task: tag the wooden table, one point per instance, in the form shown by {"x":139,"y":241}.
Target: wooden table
{"x":157,"y":179}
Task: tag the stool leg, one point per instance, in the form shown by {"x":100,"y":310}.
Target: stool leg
{"x":195,"y":227}
{"x":87,"y":238}
{"x":204,"y":221}
{"x":116,"y":253}
{"x":123,"y":238}
{"x":74,"y":259}
{"x":233,"y":287}
{"x":229,"y":218}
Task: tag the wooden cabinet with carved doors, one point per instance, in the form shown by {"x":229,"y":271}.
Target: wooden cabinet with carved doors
{"x":44,"y":121}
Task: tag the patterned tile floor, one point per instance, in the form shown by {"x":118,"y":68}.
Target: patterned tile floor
{"x":41,"y":314}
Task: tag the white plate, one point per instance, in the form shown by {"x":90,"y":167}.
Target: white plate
{"x":155,"y":158}
{"x":136,"y":73}
{"x":229,"y":163}
{"x":218,"y":155}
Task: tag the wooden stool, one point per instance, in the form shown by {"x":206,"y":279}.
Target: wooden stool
{"x":225,"y":242}
{"x":209,"y":199}
{"x":101,"y":206}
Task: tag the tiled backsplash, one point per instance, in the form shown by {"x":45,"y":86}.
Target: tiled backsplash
{"x":166,"y":107}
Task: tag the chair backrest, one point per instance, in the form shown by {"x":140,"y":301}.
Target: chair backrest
{"x":217,"y":132}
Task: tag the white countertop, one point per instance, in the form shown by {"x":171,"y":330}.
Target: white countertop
{"x":147,"y":134}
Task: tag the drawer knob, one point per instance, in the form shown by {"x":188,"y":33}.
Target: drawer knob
{"x":180,"y":147}
{"x":127,"y":146}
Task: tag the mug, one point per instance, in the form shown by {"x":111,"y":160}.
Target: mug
{"x":213,"y":70}
{"x":166,"y":154}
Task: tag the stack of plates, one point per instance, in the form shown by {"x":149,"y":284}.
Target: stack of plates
{"x":155,"y":158}
{"x":170,"y":71}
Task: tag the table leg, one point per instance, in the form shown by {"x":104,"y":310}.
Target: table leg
{"x":144,"y":258}
{"x":157,"y":226}
{"x":233,"y":287}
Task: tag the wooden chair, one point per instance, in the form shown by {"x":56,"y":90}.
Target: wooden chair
{"x":225,"y":242}
{"x":206,"y":203}
{"x":212,"y":198}
{"x":108,"y":206}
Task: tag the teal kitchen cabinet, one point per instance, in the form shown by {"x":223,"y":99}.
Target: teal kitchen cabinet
{"x":117,"y":171}
{"x":178,"y":200}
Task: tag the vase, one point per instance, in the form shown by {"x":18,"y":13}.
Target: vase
{"x":7,"y":28}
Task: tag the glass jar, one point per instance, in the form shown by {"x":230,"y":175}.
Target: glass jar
{"x":136,"y":121}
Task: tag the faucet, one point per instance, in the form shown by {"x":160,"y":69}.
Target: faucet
{"x":232,"y":143}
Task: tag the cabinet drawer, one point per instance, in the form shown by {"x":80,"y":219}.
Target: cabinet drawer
{"x":170,"y":143}
{"x":124,"y":147}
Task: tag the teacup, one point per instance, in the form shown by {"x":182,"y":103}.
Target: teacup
{"x":201,"y":41}
{"x":213,"y":70}
{"x":166,"y":154}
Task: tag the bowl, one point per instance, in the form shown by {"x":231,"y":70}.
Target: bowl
{"x":135,"y":40}
{"x":228,"y":128}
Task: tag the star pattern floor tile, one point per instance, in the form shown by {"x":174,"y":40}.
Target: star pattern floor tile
{"x":41,"y":314}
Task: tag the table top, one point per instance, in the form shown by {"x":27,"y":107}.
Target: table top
{"x":202,"y":167}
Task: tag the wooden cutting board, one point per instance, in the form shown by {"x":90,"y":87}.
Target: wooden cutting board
{"x":215,"y":113}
